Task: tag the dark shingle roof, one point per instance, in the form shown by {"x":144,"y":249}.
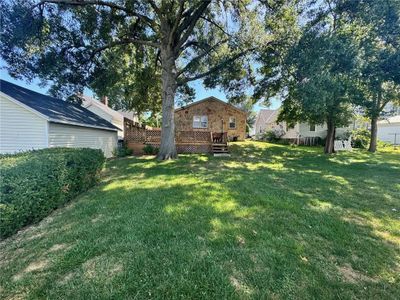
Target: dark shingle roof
{"x":55,"y":110}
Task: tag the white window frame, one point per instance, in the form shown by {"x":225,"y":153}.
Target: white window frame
{"x":229,"y":124}
{"x":312,"y":127}
{"x":200,"y":122}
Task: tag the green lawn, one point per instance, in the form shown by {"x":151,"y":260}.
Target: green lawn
{"x":269,"y":222}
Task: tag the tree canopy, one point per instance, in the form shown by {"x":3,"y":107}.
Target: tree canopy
{"x":379,"y":78}
{"x":342,"y":53}
{"x":140,"y":53}
{"x":315,"y":73}
{"x":319,"y":57}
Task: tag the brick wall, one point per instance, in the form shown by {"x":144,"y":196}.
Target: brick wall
{"x":218,"y":114}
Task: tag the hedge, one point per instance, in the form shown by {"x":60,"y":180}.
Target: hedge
{"x":34,"y":183}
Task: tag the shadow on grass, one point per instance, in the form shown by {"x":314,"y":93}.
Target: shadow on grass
{"x":269,"y":221}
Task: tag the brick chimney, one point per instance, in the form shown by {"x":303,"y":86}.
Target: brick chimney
{"x":104,"y":100}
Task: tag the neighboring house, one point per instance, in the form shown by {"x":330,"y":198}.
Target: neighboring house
{"x":30,"y":120}
{"x":102,"y":109}
{"x":389,"y":130}
{"x":267,"y":120}
{"x":264,"y":116}
{"x":214,"y":115}
{"x":391,"y":110}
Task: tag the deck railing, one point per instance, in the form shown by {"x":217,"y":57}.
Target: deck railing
{"x":219,"y":137}
{"x":192,"y":136}
{"x":153,"y":136}
{"x":136,"y":133}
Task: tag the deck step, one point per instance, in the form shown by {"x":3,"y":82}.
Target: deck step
{"x":222,"y":154}
{"x":220,"y":149}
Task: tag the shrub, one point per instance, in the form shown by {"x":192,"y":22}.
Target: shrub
{"x":382,"y":144}
{"x":122,"y":151}
{"x":150,"y":150}
{"x":273,"y":135}
{"x":361,"y":138}
{"x":284,"y":142}
{"x":34,"y":183}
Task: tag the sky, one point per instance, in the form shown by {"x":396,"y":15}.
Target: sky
{"x":201,"y":92}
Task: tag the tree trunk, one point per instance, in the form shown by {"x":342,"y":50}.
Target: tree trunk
{"x":330,"y":138}
{"x":374,"y":133}
{"x":169,"y":85}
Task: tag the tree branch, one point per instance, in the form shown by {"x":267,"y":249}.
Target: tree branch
{"x":124,"y":41}
{"x":216,"y":25}
{"x":215,"y":68}
{"x":186,"y":27}
{"x":146,"y":19}
{"x":177,"y":20}
{"x":190,"y":44}
{"x":200,"y":56}
{"x":383,"y":105}
{"x":86,"y":2}
{"x":155,"y":7}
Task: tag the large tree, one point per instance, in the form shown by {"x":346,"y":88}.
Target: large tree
{"x":313,"y":72}
{"x":314,"y":76}
{"x":379,"y":76}
{"x":320,"y":90}
{"x":149,"y":46}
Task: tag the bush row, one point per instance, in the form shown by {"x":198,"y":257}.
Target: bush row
{"x":34,"y":183}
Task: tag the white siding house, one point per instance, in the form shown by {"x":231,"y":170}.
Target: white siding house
{"x":267,"y":120}
{"x":113,"y":116}
{"x":29,"y":120}
{"x":20,"y":128}
{"x":389,"y":130}
{"x":61,"y":135}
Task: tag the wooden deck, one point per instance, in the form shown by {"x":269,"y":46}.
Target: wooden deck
{"x":188,"y":141}
{"x":219,"y":142}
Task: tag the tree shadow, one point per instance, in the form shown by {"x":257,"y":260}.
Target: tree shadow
{"x":267,"y":222}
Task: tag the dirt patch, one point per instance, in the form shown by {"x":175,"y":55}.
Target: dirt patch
{"x":58,"y":247}
{"x":32,"y":267}
{"x":97,"y":218}
{"x":66,"y":278}
{"x":353,"y":276}
{"x":241,"y":241}
{"x":239,"y":285}
{"x":355,"y":219}
{"x":101,"y":267}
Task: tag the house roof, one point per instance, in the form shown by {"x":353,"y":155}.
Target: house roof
{"x":267,"y":116}
{"x":88,"y":101}
{"x":210,"y":99}
{"x":54,"y":109}
{"x":390,"y":120}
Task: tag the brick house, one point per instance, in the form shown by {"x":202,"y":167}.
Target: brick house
{"x":204,"y":126}
{"x":213,"y":115}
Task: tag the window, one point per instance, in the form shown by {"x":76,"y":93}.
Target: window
{"x":200,"y":121}
{"x":232,"y":123}
{"x":312,"y":127}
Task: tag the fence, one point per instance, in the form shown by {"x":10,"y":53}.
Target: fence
{"x":136,"y":136}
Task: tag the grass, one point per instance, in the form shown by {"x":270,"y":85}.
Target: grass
{"x":269,"y":222}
